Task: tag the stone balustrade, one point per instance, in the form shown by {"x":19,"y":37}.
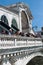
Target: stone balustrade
{"x":7,"y":41}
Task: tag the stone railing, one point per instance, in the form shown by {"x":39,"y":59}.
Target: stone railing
{"x":7,"y":41}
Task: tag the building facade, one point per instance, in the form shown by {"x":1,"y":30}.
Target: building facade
{"x":19,"y":15}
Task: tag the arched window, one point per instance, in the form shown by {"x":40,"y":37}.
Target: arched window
{"x":3,"y":19}
{"x":14,"y":23}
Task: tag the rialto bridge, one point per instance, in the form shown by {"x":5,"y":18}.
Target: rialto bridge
{"x":18,"y":50}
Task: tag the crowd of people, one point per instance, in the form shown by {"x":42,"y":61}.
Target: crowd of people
{"x":18,"y":33}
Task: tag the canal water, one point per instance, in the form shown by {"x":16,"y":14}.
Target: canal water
{"x":36,"y":61}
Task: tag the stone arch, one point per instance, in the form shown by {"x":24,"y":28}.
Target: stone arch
{"x":14,"y":23}
{"x":38,"y":60}
{"x":33,"y":56}
{"x":5,"y":20}
{"x":25,"y":60}
{"x":24,"y":21}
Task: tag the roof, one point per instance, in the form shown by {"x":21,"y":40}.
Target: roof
{"x":15,"y":8}
{"x":4,"y":7}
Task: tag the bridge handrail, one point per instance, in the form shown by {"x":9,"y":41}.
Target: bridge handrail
{"x":19,"y":37}
{"x":7,"y":41}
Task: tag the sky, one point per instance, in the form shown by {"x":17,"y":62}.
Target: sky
{"x":36,"y":7}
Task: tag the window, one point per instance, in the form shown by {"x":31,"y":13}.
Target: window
{"x":14,"y":23}
{"x":3,"y":19}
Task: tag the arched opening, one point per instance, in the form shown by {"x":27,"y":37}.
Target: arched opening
{"x":14,"y":23}
{"x":5,"y":20}
{"x":38,"y":60}
{"x":24,"y":20}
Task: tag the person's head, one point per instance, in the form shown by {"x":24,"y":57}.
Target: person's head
{"x":10,"y":30}
{"x":3,"y":31}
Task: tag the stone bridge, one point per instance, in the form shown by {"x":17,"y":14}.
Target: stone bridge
{"x":17,"y":50}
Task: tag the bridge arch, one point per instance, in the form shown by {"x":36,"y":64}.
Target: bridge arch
{"x":27,"y":59}
{"x":32,"y":56}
